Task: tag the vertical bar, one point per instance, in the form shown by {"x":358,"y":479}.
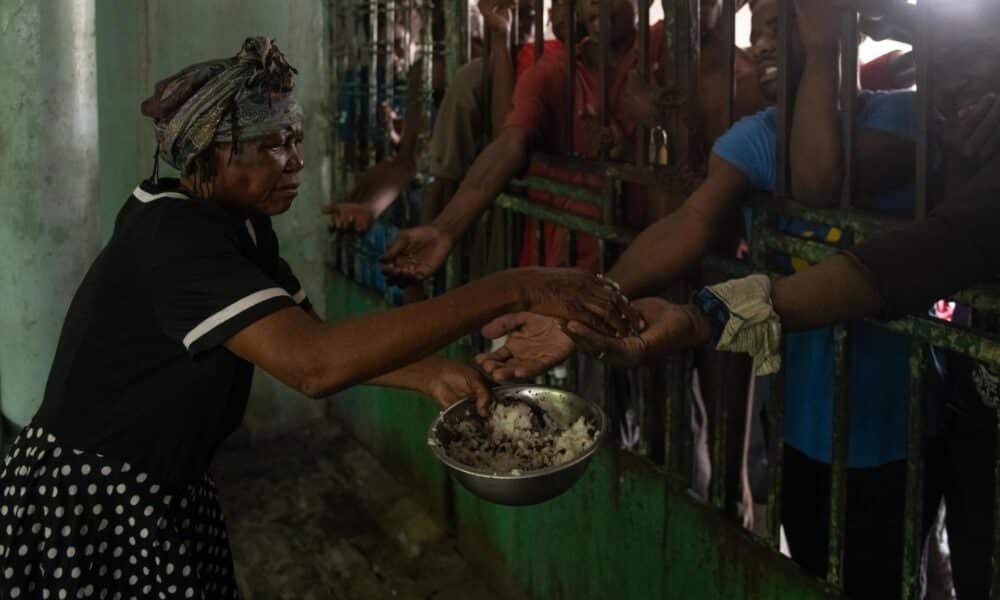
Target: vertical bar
{"x":995,"y":584}
{"x":372,"y":81}
{"x":456,"y":19}
{"x":913,"y":517}
{"x":838,"y":467}
{"x":539,"y":242}
{"x":604,"y":15}
{"x":720,"y":422}
{"x":389,"y":73}
{"x":923,"y":55}
{"x":571,"y":80}
{"x":427,"y":70}
{"x":642,"y":136}
{"x":539,"y":15}
{"x":785,"y":48}
{"x":515,"y":20}
{"x":848,"y":96}
{"x":729,"y":55}
{"x":776,"y":457}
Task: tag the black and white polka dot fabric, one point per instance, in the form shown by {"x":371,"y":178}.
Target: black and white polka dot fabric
{"x":79,"y":525}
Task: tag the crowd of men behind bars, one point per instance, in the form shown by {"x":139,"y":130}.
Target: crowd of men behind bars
{"x":503,"y":106}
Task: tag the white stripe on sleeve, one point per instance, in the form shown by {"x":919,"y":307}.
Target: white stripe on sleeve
{"x":229,"y":312}
{"x":299,"y":296}
{"x":145,"y":197}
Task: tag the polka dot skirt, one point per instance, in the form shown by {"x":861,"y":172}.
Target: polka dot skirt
{"x":79,"y":525}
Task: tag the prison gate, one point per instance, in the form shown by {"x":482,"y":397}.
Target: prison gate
{"x":631,"y":528}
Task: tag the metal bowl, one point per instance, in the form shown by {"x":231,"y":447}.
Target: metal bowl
{"x":531,"y":487}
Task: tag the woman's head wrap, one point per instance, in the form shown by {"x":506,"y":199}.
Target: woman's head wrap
{"x":244,"y":97}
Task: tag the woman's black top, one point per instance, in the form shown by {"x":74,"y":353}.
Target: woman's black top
{"x":141,"y":373}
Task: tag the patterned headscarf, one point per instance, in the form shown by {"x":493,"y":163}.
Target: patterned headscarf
{"x":244,"y":97}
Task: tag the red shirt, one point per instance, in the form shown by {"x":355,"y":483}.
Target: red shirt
{"x":526,"y":55}
{"x":538,"y":108}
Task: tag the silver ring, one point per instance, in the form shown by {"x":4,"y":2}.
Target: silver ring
{"x":601,"y":355}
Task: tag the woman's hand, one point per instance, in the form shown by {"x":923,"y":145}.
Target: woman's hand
{"x":669,"y":327}
{"x":454,"y":381}
{"x":415,"y":255}
{"x":534,"y":345}
{"x":575,"y":295}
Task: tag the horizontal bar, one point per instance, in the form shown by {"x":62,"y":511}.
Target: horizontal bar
{"x":563,"y":189}
{"x":584,"y":225}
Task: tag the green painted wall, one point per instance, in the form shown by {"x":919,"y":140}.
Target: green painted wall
{"x":48,"y":184}
{"x":622,"y":532}
{"x":73,"y":145}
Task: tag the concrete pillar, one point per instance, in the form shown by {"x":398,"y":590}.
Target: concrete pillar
{"x":48,"y":185}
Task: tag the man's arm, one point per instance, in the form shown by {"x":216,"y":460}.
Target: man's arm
{"x":497,"y":18}
{"x":419,"y":252}
{"x":674,"y":244}
{"x":884,"y":161}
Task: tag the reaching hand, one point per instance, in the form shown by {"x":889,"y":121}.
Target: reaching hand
{"x":668,"y":327}
{"x":415,"y":255}
{"x":816,"y":21}
{"x":575,"y":295}
{"x":497,"y":15}
{"x":534,"y":345}
{"x":455,"y":381}
{"x":348,"y":216}
{"x":375,"y":191}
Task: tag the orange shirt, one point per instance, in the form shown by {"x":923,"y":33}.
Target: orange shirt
{"x":539,"y":102}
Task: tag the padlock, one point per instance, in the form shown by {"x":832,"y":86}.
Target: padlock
{"x":662,"y":148}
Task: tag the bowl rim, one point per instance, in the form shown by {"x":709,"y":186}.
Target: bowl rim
{"x":440,"y":453}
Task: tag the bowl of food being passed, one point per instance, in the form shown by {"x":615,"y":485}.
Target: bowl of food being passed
{"x":532,"y":446}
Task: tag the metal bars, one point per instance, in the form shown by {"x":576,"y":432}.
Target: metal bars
{"x":682,"y":35}
{"x":848,"y":40}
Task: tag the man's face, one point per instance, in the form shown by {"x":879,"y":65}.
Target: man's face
{"x":623,"y":18}
{"x":764,"y":39}
{"x":964,"y":61}
{"x":557,"y":16}
{"x":263,"y":178}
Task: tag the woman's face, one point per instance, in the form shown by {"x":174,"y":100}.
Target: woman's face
{"x":263,"y":178}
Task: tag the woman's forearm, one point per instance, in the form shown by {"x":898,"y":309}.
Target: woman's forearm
{"x":816,"y":148}
{"x":320,"y":359}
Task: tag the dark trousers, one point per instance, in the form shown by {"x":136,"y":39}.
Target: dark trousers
{"x":961,"y":470}
{"x":873,"y":538}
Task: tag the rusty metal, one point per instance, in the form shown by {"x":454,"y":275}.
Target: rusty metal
{"x":838,"y":466}
{"x":729,"y":55}
{"x":848,"y":98}
{"x":372,"y":114}
{"x":783,"y":187}
{"x":913,"y":508}
{"x":922,"y":55}
{"x":539,"y":15}
{"x":604,"y":110}
{"x":642,"y":133}
{"x":570,"y":115}
{"x":389,"y":69}
{"x":775,"y":457}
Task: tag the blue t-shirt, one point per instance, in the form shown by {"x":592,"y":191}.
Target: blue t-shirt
{"x":879,"y":359}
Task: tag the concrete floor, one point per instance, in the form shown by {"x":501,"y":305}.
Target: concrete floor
{"x":312,"y":515}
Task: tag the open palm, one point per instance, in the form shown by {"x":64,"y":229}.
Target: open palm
{"x":535,"y":344}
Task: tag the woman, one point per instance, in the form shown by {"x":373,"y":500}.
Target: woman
{"x":105,"y":492}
